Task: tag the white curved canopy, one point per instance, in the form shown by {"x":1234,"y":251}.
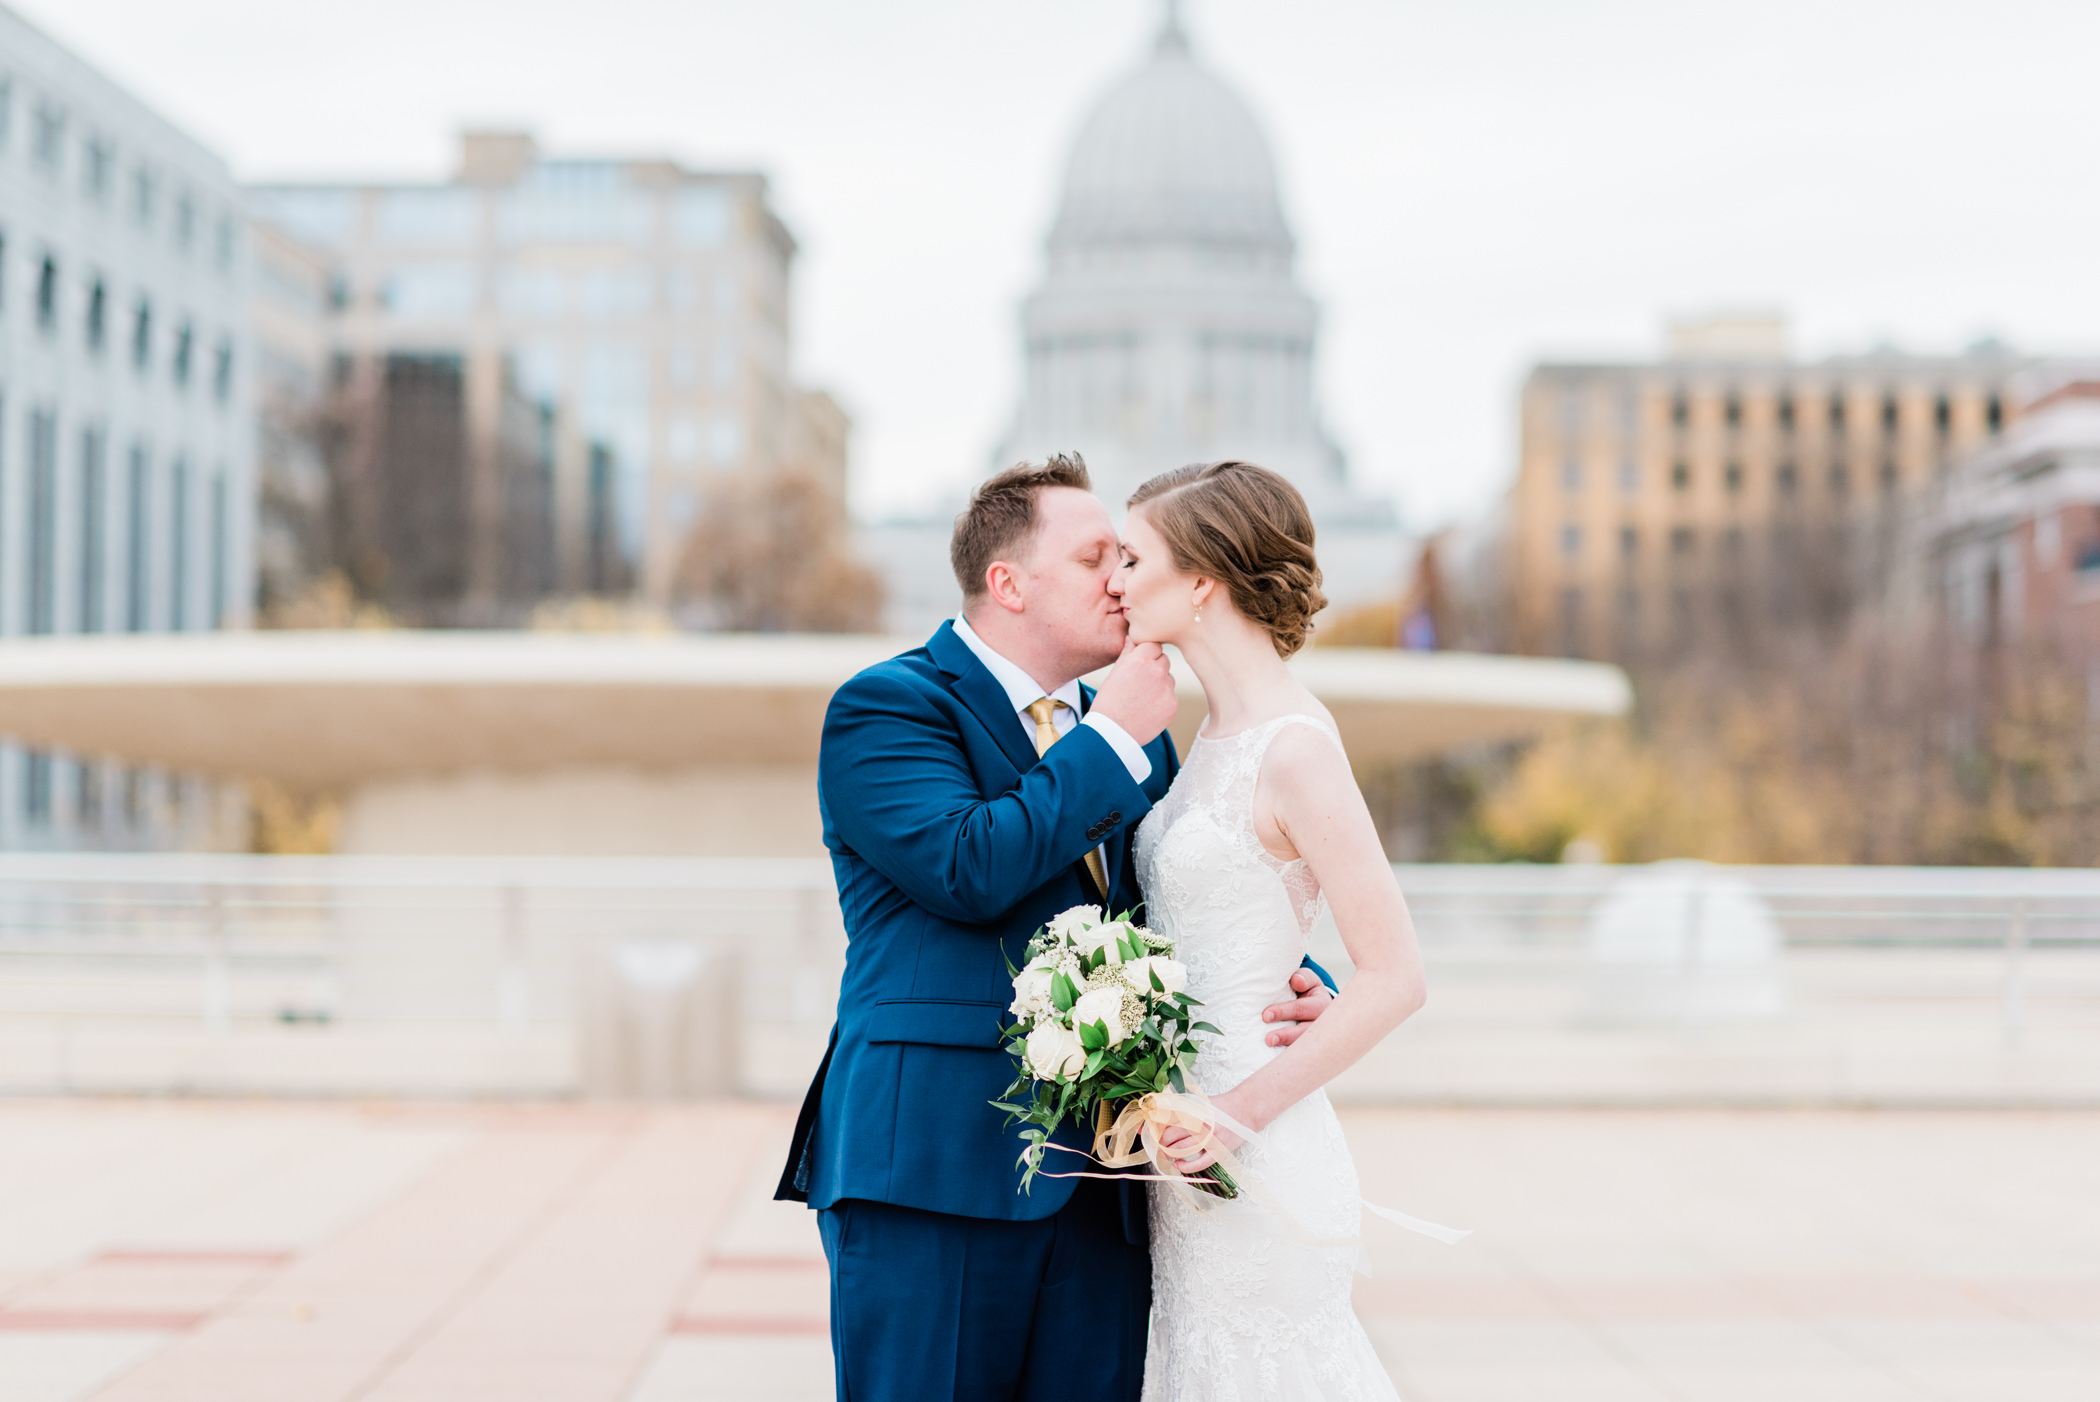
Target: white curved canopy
{"x":321,"y":710}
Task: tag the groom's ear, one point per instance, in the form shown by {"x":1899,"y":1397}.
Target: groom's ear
{"x":1002,"y":586}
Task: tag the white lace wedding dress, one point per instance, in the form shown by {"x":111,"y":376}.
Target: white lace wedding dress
{"x":1242,"y":1310}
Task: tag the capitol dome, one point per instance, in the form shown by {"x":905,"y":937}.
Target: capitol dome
{"x":1171,"y":154}
{"x":1169,"y":325}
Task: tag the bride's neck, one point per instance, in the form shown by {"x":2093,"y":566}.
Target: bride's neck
{"x":1243,"y":678}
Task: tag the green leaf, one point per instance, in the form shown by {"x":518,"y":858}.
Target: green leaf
{"x":1203,"y":1027}
{"x":1093,"y":1065}
{"x":1063,"y":993}
{"x":1093,"y":1035}
{"x":1174,"y":1078}
{"x":1153,"y":974}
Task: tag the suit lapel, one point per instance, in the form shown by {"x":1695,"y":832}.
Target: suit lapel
{"x":980,"y":691}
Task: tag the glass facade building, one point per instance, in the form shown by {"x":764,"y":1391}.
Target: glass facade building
{"x":642,"y":307}
{"x":126,"y":454}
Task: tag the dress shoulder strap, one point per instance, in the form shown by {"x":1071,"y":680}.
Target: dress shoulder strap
{"x":1275,"y":727}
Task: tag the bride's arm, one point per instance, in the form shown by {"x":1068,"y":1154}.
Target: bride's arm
{"x":1308,"y":793}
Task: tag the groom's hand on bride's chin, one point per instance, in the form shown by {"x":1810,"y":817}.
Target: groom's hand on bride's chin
{"x":1138,"y":693}
{"x":1292,"y":1018}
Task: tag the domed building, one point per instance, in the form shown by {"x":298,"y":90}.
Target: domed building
{"x":1169,"y":326}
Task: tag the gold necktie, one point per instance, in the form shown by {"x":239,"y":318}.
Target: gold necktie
{"x":1041,"y":713}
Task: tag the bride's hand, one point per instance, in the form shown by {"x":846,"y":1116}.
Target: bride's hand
{"x":1185,"y":1140}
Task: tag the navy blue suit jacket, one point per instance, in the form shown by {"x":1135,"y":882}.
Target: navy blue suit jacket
{"x":951,"y":842}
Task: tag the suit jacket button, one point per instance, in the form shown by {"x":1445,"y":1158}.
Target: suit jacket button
{"x":1115,"y":816}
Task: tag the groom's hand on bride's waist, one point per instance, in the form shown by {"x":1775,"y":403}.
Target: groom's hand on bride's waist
{"x":1138,"y":693}
{"x":1290,"y":1019}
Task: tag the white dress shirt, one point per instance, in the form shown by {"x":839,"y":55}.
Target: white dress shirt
{"x":1024,"y":691}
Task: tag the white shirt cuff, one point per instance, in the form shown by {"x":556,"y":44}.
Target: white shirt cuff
{"x":1128,"y":750}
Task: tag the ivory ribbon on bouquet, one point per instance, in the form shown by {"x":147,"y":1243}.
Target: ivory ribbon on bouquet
{"x":1133,"y":1138}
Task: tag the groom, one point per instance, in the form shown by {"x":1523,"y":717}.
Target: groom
{"x":971,"y":789}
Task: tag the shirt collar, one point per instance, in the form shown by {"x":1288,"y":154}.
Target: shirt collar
{"x":1021,"y":689}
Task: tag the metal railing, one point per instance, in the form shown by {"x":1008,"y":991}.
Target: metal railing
{"x":494,"y":974}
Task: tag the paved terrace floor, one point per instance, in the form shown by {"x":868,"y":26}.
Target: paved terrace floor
{"x":240,"y":1252}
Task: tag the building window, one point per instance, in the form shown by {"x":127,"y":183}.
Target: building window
{"x":1629,"y":477}
{"x":47,"y":294}
{"x":1629,"y":542}
{"x":185,"y":221}
{"x":1942,"y":415}
{"x":143,"y":191}
{"x":136,"y":798}
{"x":101,"y":160}
{"x":36,"y":788}
{"x":1681,"y":540}
{"x":1786,"y":477}
{"x":1570,"y":541}
{"x":1681,"y":476}
{"x":43,"y":521}
{"x":93,"y":493}
{"x":1571,"y":621}
{"x":1680,"y":410}
{"x":185,"y":336}
{"x":1837,"y":411}
{"x":1734,"y":412}
{"x":179,"y":546}
{"x":1840,"y":480}
{"x":1786,"y":412}
{"x":1732,"y":542}
{"x":47,"y":141}
{"x":1888,"y":474}
{"x":218,"y":550}
{"x":223,"y":235}
{"x":1571,"y":473}
{"x":1888,"y":413}
{"x":97,"y":316}
{"x":138,"y":502}
{"x":222,"y":370}
{"x":87,"y":796}
{"x":1994,"y":414}
{"x":142,"y":334}
{"x":1733,"y":476}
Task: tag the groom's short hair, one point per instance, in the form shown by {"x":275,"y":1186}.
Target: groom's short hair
{"x":1001,"y":516}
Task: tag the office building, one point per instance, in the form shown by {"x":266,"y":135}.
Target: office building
{"x":127,"y":495}
{"x":639,"y":307}
{"x":1690,"y":501}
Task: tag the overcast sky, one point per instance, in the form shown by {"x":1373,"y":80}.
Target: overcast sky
{"x":1474,"y":183}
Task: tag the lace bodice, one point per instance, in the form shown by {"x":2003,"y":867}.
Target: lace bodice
{"x":1239,"y":916}
{"x":1243,"y":1309}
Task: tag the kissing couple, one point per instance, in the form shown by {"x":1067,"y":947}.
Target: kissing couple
{"x":971,"y":790}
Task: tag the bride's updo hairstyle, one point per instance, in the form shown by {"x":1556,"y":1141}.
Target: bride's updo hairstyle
{"x":1247,"y":528}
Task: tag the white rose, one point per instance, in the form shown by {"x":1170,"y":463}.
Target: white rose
{"x":1067,"y":924}
{"x":1105,"y":1006}
{"x":1105,"y":939}
{"x":1054,"y":1050}
{"x":1171,"y":973}
{"x":1032,"y":992}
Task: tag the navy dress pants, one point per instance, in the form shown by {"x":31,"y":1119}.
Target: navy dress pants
{"x":927,"y":1306}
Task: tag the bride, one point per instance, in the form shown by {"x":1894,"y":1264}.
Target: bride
{"x":1264,"y":825}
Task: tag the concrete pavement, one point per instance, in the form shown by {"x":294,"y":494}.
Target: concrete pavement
{"x":287,"y":1252}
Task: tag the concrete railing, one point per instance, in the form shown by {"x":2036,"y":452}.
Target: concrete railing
{"x":1678,"y":983}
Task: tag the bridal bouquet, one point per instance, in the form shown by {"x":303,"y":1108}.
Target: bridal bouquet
{"x":1102,"y":1018}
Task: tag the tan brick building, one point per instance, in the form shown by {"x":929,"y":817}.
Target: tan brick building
{"x":1727,"y":486}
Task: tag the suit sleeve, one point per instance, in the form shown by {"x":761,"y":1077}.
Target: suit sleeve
{"x":898,"y":790}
